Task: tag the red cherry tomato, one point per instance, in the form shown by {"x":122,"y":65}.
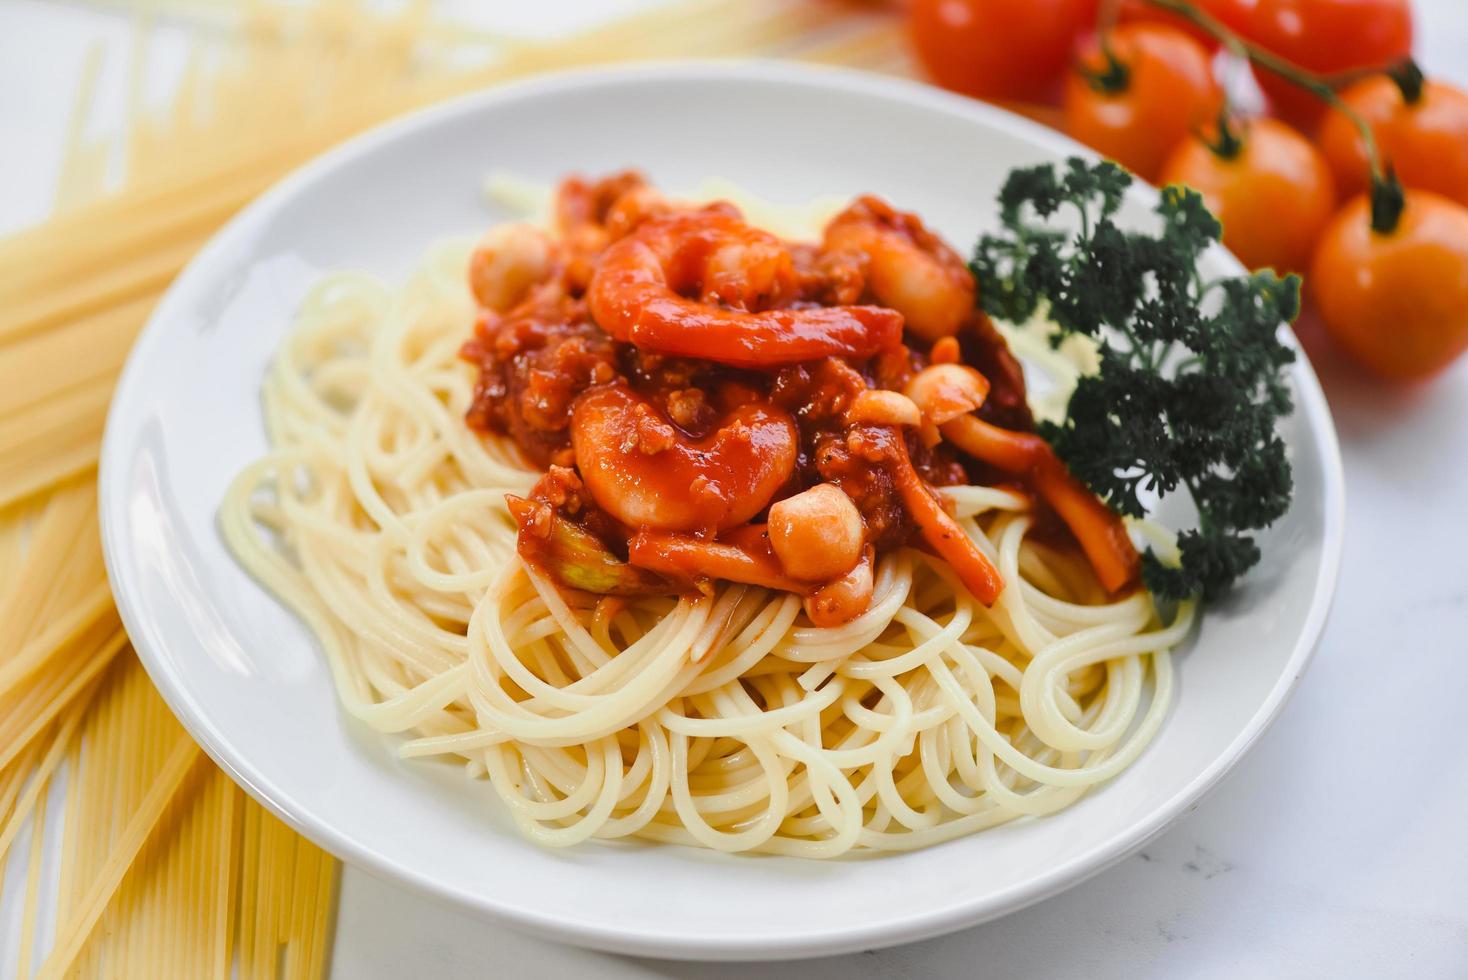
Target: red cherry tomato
{"x":1273,"y":195}
{"x":1166,"y":91}
{"x":1425,"y":140}
{"x":1397,"y":302}
{"x":999,"y":49}
{"x":1326,"y":36}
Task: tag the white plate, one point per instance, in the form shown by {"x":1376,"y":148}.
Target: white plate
{"x":246,"y":678}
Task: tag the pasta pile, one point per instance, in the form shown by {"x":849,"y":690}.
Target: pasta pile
{"x":723,"y":721}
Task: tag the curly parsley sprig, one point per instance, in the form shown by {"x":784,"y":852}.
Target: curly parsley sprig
{"x":1191,"y":378}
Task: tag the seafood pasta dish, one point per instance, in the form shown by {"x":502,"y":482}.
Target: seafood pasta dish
{"x":673,"y":528}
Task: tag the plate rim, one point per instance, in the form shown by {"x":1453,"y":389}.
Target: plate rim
{"x":889,"y":931}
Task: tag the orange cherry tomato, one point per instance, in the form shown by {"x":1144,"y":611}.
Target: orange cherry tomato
{"x":1397,"y":302}
{"x":999,"y":49}
{"x":1164,"y":90}
{"x":1425,"y":140}
{"x":1325,"y":36}
{"x":1273,"y":192}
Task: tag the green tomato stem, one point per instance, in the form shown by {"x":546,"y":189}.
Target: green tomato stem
{"x":1387,"y":201}
{"x":1409,"y":80}
{"x":1309,"y":81}
{"x":1116,"y":76}
{"x":1229,"y":143}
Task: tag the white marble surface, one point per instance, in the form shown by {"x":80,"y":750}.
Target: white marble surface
{"x":1337,"y":848}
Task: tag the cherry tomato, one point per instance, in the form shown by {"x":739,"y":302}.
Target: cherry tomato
{"x":1425,"y":140}
{"x":999,"y":49}
{"x":1165,"y":90}
{"x":1326,"y":36}
{"x":1397,"y":302}
{"x":1273,"y":194}
{"x":1230,"y":13}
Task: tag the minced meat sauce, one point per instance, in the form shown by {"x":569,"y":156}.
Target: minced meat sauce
{"x":766,"y":425}
{"x":535,"y":361}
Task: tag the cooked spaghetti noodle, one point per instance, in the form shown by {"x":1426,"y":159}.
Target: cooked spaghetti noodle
{"x":722,"y":719}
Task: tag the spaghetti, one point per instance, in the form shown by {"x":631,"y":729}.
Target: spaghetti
{"x":722,"y":718}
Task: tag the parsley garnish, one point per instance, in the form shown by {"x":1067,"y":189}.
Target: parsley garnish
{"x":1191,"y":378}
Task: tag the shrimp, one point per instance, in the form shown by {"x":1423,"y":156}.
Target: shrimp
{"x":646,"y":472}
{"x":639,"y":296}
{"x":900,"y":264}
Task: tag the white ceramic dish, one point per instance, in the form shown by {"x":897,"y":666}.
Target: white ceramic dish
{"x":246,"y":679}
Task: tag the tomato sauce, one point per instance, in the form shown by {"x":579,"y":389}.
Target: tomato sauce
{"x":678,"y":372}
